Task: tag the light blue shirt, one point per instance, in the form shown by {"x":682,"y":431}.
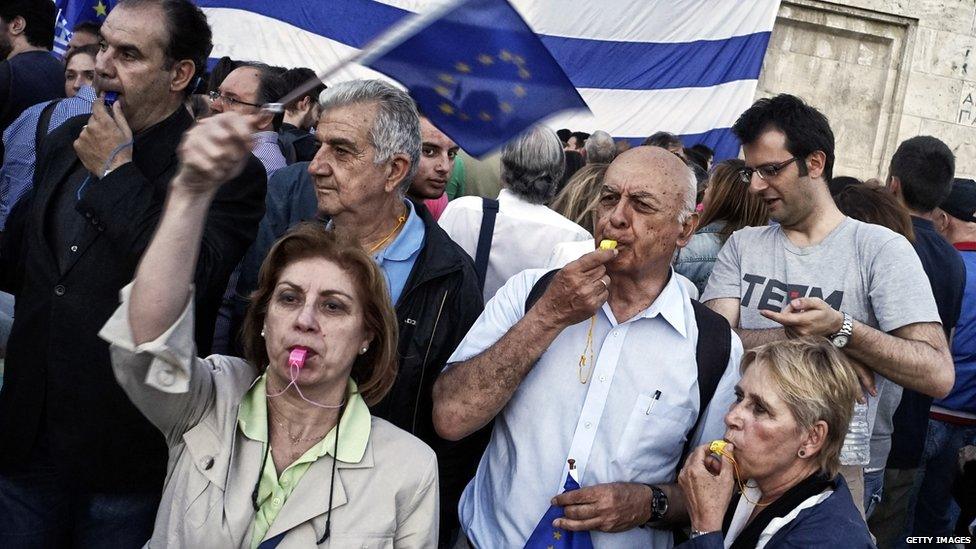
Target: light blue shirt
{"x":397,"y":259}
{"x":612,"y":426}
{"x":265,"y":148}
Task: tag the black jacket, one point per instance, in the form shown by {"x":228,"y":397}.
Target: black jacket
{"x":439,"y":303}
{"x":59,"y":388}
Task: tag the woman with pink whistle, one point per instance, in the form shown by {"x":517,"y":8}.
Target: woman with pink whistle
{"x":278,"y":450}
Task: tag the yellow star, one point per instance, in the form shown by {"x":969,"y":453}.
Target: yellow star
{"x":462,"y":67}
{"x":446,"y":108}
{"x":525,"y":74}
{"x":442,"y":91}
{"x":504,"y":55}
{"x":485,"y":116}
{"x":505,"y":107}
{"x":486,"y":59}
{"x":519,"y":90}
{"x":446,"y":78}
{"x":557,"y":535}
{"x":100,"y":9}
{"x":519,"y":60}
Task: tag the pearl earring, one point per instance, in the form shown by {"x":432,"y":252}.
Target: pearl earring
{"x":262,"y":332}
{"x":363,"y":350}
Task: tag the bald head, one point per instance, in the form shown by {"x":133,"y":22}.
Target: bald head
{"x":661,"y":172}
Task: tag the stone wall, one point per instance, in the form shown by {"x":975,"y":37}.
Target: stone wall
{"x":882,"y":71}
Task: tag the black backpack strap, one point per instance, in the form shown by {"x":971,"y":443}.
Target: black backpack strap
{"x":712,"y":355}
{"x":40,"y":133}
{"x":489,"y":209}
{"x":539,"y":288}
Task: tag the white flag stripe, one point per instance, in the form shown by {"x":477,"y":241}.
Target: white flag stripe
{"x":681,"y":111}
{"x":637,"y":21}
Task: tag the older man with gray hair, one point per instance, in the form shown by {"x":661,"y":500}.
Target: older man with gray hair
{"x":369,"y":135}
{"x":517,"y":231}
{"x":600,"y":148}
{"x":607,"y":364}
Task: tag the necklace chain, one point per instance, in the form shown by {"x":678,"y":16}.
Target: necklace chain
{"x":296,"y":439}
{"x":378,"y":245}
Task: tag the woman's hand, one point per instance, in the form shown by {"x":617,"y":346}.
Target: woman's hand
{"x":707,"y":482}
{"x":213,"y":152}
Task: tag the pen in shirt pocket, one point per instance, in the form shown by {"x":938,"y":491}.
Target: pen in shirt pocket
{"x":650,"y":405}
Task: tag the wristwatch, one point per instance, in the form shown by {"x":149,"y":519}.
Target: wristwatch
{"x":841,"y":338}
{"x":659,"y":503}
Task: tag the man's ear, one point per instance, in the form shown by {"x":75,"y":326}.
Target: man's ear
{"x":816,"y":162}
{"x":688,"y":229}
{"x":18,"y":25}
{"x":182,"y":75}
{"x":399,"y":166}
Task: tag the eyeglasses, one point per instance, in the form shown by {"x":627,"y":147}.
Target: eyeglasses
{"x":766,"y":171}
{"x":215,"y":95}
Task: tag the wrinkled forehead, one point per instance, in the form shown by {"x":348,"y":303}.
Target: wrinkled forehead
{"x":648,"y":177}
{"x":352,"y":122}
{"x":141,"y":27}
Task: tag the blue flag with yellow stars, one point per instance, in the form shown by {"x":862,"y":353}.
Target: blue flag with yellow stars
{"x":480,"y":74}
{"x":72,"y":12}
{"x":547,"y":536}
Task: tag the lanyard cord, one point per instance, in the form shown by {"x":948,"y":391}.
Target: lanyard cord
{"x":335,"y":458}
{"x":105,"y":168}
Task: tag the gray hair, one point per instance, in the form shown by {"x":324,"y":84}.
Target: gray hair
{"x":396,"y":129}
{"x":691,"y":195}
{"x":600,"y":148}
{"x":533,"y":164}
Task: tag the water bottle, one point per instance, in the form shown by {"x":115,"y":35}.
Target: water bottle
{"x":857,"y":443}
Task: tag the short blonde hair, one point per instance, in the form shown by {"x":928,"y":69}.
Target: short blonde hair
{"x":817,"y":383}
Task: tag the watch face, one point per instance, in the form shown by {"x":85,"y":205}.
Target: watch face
{"x":840,"y":341}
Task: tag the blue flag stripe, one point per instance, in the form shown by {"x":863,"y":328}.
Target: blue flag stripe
{"x":603,"y":64}
{"x":720,"y":140}
{"x":610,"y":65}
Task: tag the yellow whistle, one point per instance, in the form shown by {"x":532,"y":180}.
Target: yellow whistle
{"x":608,"y":244}
{"x":717,"y":447}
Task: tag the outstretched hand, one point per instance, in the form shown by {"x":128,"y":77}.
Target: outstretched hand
{"x":214,"y":152}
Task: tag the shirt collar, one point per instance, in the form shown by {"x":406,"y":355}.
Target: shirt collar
{"x":410,"y":239}
{"x":264,"y":137}
{"x":252,"y":418}
{"x":670,"y":304}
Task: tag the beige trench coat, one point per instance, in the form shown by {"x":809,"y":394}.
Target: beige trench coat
{"x":388,"y":499}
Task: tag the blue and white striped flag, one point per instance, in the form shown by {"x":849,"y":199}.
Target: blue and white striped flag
{"x":689,"y":67}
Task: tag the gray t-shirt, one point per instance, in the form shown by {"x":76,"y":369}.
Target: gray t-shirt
{"x":865,"y":270}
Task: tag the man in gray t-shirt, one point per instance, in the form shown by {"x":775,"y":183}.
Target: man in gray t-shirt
{"x":819,"y":273}
{"x":867,"y":271}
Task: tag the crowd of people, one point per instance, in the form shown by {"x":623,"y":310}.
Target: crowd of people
{"x":228,"y":327}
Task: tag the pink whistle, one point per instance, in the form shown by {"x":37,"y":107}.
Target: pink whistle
{"x":297,"y":358}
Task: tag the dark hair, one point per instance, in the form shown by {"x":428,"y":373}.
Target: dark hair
{"x":39,"y":18}
{"x":271,"y":87}
{"x":839,"y":183}
{"x":730,"y":200}
{"x":925,"y":166}
{"x":376,"y":369}
{"x":806,"y":129}
{"x":90,"y":49}
{"x":581,"y":138}
{"x":199,"y":106}
{"x":696,"y":158}
{"x":91,"y":27}
{"x":188,"y":34}
{"x":704,"y":150}
{"x":574,"y":161}
{"x":296,"y":77}
{"x":564,"y":135}
{"x":224,"y":66}
{"x":664,"y":140}
{"x":877,"y":206}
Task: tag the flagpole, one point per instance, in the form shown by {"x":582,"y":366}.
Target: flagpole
{"x":375,"y":48}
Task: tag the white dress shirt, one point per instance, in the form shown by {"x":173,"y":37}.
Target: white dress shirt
{"x":612,"y":426}
{"x":524,"y":234}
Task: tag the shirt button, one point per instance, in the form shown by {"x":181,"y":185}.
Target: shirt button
{"x":587,"y":425}
{"x":59,"y":290}
{"x":165,"y":377}
{"x":603,"y":378}
{"x":208,"y":463}
{"x":74,"y":248}
{"x":276,"y":502}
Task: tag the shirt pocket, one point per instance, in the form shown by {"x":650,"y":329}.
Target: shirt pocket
{"x":361,"y":541}
{"x":653,"y":438}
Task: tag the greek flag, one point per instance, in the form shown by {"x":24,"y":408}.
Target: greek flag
{"x":689,"y":67}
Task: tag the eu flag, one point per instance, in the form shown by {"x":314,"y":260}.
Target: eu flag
{"x":546,"y":536}
{"x":72,"y":12}
{"x":480,"y":74}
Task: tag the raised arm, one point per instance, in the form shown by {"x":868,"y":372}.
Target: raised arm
{"x":469,"y":394}
{"x":213,"y":152}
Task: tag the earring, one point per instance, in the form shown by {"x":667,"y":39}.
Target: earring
{"x":262,"y":332}
{"x":801,"y":453}
{"x":363,"y":350}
